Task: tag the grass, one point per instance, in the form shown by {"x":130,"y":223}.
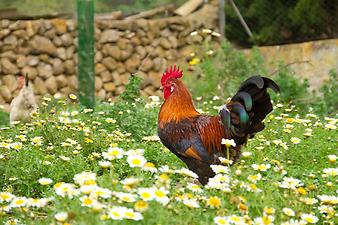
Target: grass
{"x":65,"y":140}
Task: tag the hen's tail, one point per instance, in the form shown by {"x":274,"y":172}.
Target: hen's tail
{"x":243,"y":115}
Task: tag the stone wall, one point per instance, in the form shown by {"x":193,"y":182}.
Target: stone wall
{"x":311,"y":60}
{"x":46,"y":51}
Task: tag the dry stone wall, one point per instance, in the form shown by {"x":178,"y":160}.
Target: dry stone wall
{"x":46,"y":51}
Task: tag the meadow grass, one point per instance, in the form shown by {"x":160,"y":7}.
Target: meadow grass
{"x":64,"y":140}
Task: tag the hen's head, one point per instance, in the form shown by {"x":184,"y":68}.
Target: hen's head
{"x":22,"y":81}
{"x":169,"y":79}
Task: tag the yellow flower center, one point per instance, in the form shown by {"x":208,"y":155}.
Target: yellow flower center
{"x":116,"y":214}
{"x":129,"y":214}
{"x":159,"y":194}
{"x":4,"y":196}
{"x":141,"y":204}
{"x":90,"y":182}
{"x":150,"y":165}
{"x":87,"y":201}
{"x":136,"y":162}
{"x":214,"y":201}
{"x":145,"y":195}
{"x":19,"y":201}
{"x":222,"y":222}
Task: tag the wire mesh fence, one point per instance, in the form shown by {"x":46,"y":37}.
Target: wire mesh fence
{"x":266,"y":22}
{"x":280,"y":21}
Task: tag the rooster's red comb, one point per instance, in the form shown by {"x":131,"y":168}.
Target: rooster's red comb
{"x":171,"y":72}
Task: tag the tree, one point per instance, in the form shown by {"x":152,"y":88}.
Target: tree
{"x":282,"y":21}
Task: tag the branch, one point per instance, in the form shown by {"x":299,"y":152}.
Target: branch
{"x":289,"y":64}
{"x":188,"y":7}
{"x":152,"y":12}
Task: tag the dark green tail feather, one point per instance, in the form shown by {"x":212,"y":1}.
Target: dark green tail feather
{"x":245,"y":97}
{"x":258,"y":81}
{"x":250,"y":105}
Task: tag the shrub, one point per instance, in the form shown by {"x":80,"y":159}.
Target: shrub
{"x":222,"y":73}
{"x":4,"y":118}
{"x":130,"y":112}
{"x":329,"y":97}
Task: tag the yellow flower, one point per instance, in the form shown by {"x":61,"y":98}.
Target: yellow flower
{"x":329,"y":184}
{"x":301,"y":191}
{"x":243,"y":208}
{"x":19,"y":202}
{"x":141,"y":206}
{"x":309,"y":201}
{"x":290,"y":120}
{"x":88,"y":140}
{"x":146,"y":194}
{"x":288,"y":212}
{"x":149,"y":166}
{"x":16,"y":145}
{"x":72,"y":96}
{"x":261,"y":167}
{"x":104,"y":217}
{"x":136,"y":160}
{"x":295,"y":140}
{"x":228,"y":142}
{"x":221,"y":220}
{"x":332,"y":158}
{"x":214,"y":202}
{"x":309,"y":218}
{"x":255,"y":178}
{"x":45,"y":181}
{"x":86,"y":201}
{"x":110,"y":120}
{"x":61,"y":216}
{"x":269,"y":210}
{"x":6,"y":197}
{"x":164,"y":177}
{"x":194,"y":61}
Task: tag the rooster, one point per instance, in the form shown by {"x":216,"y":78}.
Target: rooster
{"x":24,"y":104}
{"x":197,"y":138}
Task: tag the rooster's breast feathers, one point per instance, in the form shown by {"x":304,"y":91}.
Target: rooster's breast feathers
{"x":198,"y":137}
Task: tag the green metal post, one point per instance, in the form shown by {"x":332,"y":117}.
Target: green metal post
{"x":85,"y":52}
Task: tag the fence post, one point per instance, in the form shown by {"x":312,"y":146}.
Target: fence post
{"x":85,"y":52}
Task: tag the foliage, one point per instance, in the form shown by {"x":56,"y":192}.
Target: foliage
{"x":37,"y":7}
{"x":4,"y":118}
{"x":66,"y":130}
{"x":137,"y":120}
{"x":293,"y":90}
{"x":329,"y":97}
{"x":141,"y":5}
{"x":282,"y":21}
{"x":222,"y":73}
{"x":132,"y":90}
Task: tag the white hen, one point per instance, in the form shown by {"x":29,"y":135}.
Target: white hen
{"x":24,"y":104}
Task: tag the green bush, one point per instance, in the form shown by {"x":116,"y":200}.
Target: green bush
{"x":4,"y":118}
{"x":328,"y":101}
{"x":281,"y":21}
{"x":293,"y":90}
{"x":130,"y":113}
{"x":222,"y":73}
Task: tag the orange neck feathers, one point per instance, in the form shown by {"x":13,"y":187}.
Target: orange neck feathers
{"x":177,"y":106}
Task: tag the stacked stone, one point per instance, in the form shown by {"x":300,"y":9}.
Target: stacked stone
{"x":46,"y":51}
{"x":42,"y":49}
